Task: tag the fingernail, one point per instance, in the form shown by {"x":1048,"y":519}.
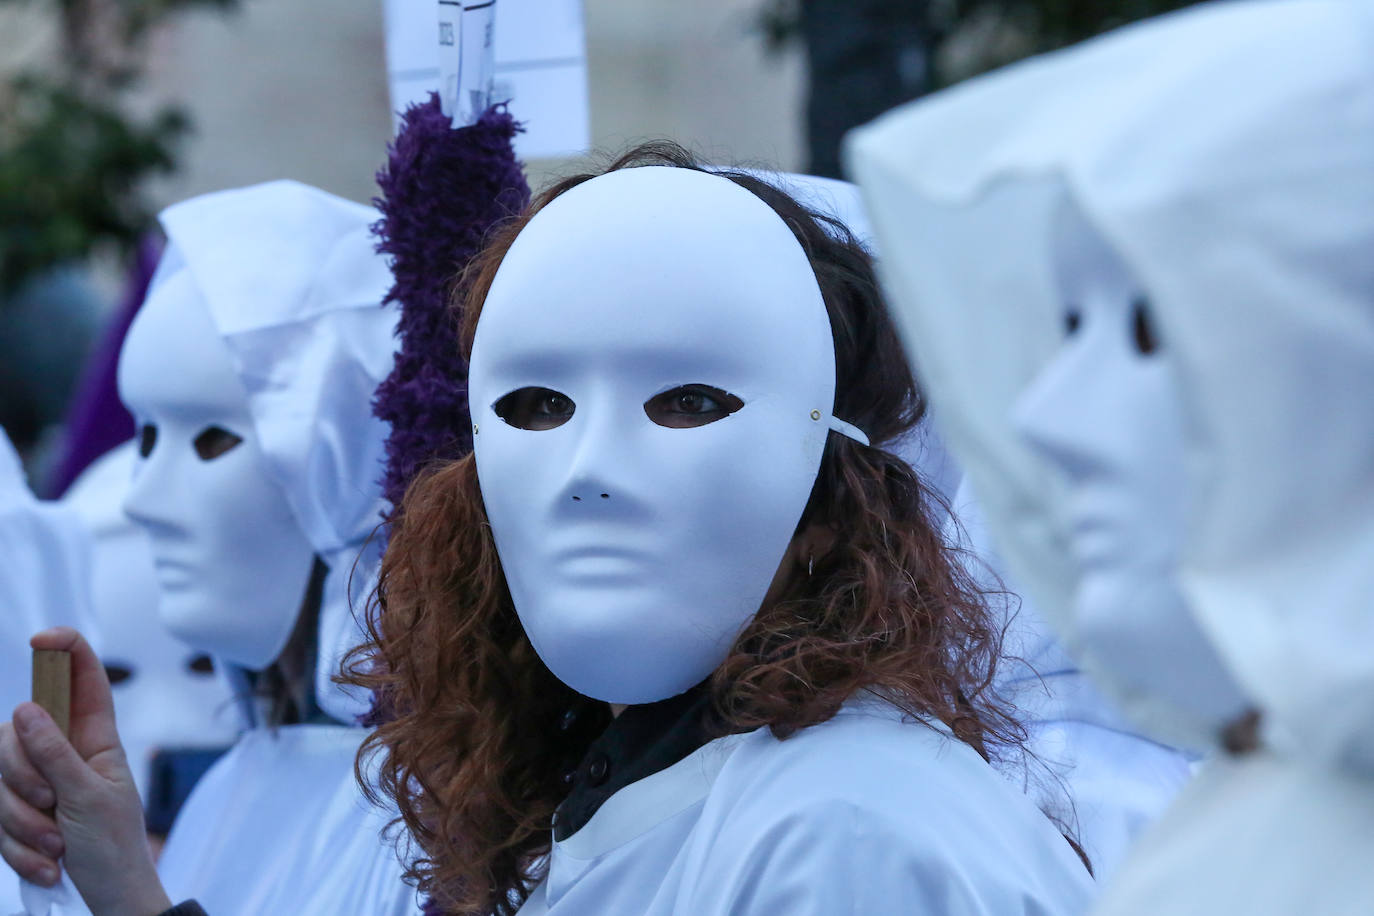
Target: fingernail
{"x":52,"y":844}
{"x":46,"y":877}
{"x":26,"y":718}
{"x":42,"y":799}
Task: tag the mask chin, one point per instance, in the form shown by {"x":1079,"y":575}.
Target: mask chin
{"x":252,"y":640}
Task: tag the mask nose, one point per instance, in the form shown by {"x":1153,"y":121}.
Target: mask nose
{"x":150,"y":502}
{"x":1065,"y":412}
{"x":597,"y":462}
{"x":601,"y":471}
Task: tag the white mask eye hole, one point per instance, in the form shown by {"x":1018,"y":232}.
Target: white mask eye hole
{"x":1073,"y":319}
{"x":118,"y":672}
{"x":147,"y":438}
{"x":213,"y":441}
{"x":687,"y":406}
{"x":1142,"y":327}
{"x":200,"y":665}
{"x":534,"y":408}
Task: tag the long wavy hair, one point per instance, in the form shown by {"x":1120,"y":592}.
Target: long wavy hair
{"x":473,"y":753}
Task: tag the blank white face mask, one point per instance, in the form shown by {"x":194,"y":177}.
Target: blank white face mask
{"x":232,"y":562}
{"x":1106,"y":413}
{"x":651,"y":383}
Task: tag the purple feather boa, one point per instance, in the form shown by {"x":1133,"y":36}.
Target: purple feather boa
{"x":442,"y":190}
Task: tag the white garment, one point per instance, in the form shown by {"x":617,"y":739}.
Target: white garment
{"x":1255,"y":835}
{"x":863,"y":814}
{"x":44,"y":579}
{"x":44,"y":582}
{"x":315,"y":841}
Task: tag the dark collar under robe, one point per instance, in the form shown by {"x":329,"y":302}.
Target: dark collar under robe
{"x":639,"y":742}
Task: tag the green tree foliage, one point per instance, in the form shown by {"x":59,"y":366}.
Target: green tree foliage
{"x":72,"y":158}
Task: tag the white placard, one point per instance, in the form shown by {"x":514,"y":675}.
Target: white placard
{"x":476,"y":62}
{"x":450,"y":56}
{"x":540,"y":66}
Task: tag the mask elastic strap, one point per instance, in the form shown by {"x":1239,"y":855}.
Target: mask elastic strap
{"x":850,"y":430}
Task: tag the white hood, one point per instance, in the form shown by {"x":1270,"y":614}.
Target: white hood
{"x":310,"y":342}
{"x":1227,"y":153}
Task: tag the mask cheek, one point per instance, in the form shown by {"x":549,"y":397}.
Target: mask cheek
{"x":237,"y":578}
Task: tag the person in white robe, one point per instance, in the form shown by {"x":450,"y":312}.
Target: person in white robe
{"x":1171,"y":274}
{"x":250,"y":371}
{"x":655,"y":393}
{"x":45,"y":581}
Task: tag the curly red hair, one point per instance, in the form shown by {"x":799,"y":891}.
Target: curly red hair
{"x":473,"y":754}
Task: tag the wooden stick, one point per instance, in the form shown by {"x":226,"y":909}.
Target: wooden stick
{"x":52,"y":684}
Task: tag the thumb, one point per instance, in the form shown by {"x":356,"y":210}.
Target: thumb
{"x":50,"y":751}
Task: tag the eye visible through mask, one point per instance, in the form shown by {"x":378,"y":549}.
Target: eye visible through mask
{"x":687,"y":406}
{"x":535,"y":408}
{"x":683,"y":407}
{"x":1143,"y":336}
{"x":1142,"y":327}
{"x":214,"y":441}
{"x":1073,"y":318}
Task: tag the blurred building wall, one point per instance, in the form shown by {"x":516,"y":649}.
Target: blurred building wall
{"x":297,"y":89}
{"x":277,"y":89}
{"x":693,"y":72}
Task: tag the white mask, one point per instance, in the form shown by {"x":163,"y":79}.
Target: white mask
{"x":635,"y":552}
{"x":1105,"y":412}
{"x":232,"y":563}
{"x":166,"y":694}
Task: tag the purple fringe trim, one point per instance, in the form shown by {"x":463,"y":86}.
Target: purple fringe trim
{"x":442,"y":190}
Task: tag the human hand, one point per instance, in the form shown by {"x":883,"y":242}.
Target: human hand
{"x":96,"y":828}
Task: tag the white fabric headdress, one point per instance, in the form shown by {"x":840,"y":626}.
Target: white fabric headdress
{"x":294,"y":286}
{"x":1227,"y":153}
